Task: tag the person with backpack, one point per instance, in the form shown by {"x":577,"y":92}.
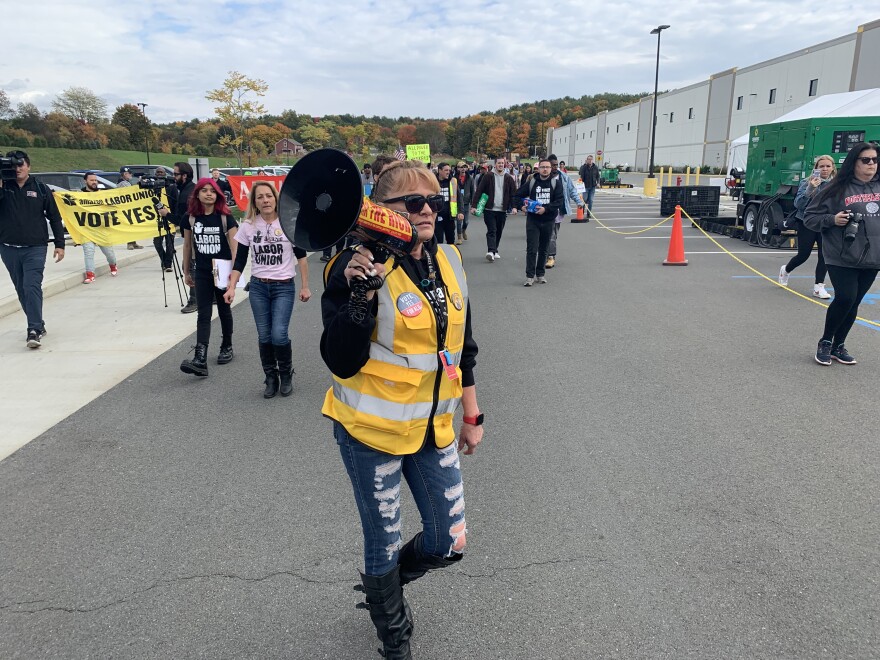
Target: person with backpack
{"x":823,"y":171}
{"x":25,"y":207}
{"x":208,"y":230}
{"x":542,"y":197}
{"x":272,"y":285}
{"x":570,"y":200}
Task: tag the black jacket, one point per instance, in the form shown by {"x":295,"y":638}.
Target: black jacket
{"x":589,"y":175}
{"x":557,"y":199}
{"x":486,"y":185}
{"x":181,"y":203}
{"x":23,"y":214}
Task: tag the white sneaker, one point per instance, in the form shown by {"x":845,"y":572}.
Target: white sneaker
{"x":820,"y":292}
{"x":529,"y":281}
{"x":497,"y":256}
{"x":542,"y":280}
{"x":490,"y":256}
{"x":783,"y":276}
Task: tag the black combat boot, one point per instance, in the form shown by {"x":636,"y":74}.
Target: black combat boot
{"x":198,"y":366}
{"x":385,"y":600}
{"x":414,"y":563}
{"x":225,"y":356}
{"x":285,"y":368}
{"x":267,"y":357}
{"x":191,"y":304}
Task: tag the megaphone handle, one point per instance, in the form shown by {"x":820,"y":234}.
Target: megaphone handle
{"x":358,"y":305}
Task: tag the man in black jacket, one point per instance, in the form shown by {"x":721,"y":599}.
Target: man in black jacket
{"x":183,"y":178}
{"x":589,"y":174}
{"x":546,"y":189}
{"x":25,"y":205}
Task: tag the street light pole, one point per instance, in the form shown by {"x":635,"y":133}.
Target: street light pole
{"x":146,"y":130}
{"x":657,"y":30}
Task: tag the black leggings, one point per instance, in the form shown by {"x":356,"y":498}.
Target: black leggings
{"x":206,"y":295}
{"x":850,"y":286}
{"x":806,"y":239}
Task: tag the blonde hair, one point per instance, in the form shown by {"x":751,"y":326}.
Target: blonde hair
{"x":404,"y":175}
{"x":829,"y":159}
{"x":252,"y":211}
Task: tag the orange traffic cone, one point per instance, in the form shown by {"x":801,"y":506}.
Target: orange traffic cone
{"x":580,"y":213}
{"x":676,"y":243}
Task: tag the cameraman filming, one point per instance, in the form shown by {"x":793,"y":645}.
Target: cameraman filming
{"x":183,"y":178}
{"x":25,"y":205}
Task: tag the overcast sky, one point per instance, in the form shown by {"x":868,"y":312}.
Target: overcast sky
{"x":394,"y":57}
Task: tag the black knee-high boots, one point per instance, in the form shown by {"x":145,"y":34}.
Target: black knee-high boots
{"x":387,"y":611}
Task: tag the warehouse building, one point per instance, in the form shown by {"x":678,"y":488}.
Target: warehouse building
{"x":696,"y":124}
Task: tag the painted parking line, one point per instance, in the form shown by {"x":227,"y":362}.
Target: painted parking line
{"x":731,"y":252}
{"x":634,"y":238}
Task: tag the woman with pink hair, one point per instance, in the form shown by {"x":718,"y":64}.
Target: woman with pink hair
{"x":208,"y":231}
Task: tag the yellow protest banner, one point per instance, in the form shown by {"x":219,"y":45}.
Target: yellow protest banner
{"x":420,"y":152}
{"x":109,"y":217}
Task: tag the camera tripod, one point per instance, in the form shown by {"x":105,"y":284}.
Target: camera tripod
{"x":167,"y":239}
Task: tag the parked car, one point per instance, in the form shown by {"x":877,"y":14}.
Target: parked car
{"x":70,"y":180}
{"x":137,"y":171}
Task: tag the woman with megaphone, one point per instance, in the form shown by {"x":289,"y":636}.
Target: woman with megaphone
{"x":402,"y":358}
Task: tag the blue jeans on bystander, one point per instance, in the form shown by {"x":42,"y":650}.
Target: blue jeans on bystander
{"x":272,"y":305}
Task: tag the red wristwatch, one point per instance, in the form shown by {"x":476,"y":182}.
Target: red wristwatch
{"x":473,"y":421}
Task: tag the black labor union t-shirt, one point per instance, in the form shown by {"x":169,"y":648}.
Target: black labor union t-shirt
{"x":209,"y":240}
{"x":542,"y":192}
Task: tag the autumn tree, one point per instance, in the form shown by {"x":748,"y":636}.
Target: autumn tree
{"x":434,"y":133}
{"x":520,"y":140}
{"x":406,"y":134}
{"x":5,"y":107}
{"x":496,"y":140}
{"x":314,"y":137}
{"x":28,"y":118}
{"x":238,"y":105}
{"x":130,"y":117}
{"x":82,"y":104}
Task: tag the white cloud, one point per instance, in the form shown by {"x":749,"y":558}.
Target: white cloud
{"x":396,"y":57}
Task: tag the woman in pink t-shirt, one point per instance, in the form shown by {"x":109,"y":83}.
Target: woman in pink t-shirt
{"x":272,"y":287}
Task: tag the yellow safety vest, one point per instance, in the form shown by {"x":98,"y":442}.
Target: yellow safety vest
{"x":389,"y":403}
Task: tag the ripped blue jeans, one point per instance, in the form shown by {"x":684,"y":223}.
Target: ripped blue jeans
{"x":434,"y":478}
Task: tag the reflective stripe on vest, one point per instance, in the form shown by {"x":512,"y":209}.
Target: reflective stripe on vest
{"x":387,"y":405}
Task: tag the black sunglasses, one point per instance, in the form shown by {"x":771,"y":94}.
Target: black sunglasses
{"x":867,"y":160}
{"x":415,"y":203}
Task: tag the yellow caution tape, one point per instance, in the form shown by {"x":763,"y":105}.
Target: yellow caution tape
{"x":628,"y":233}
{"x":760,"y":274}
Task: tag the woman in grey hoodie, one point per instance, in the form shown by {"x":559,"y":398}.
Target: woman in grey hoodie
{"x":847,"y":212}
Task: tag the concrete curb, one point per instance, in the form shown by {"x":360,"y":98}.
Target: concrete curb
{"x":10,"y":305}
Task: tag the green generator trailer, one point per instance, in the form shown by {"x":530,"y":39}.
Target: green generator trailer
{"x":780,"y":156}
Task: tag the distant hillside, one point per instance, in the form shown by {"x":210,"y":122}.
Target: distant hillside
{"x":61,"y":142}
{"x":48,"y":159}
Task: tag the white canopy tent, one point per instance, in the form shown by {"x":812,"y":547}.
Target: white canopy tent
{"x":863,"y":103}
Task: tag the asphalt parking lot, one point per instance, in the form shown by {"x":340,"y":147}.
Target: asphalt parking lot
{"x":666,"y":472}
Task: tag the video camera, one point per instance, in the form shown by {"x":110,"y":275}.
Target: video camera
{"x":8,"y":163}
{"x":153,"y":182}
